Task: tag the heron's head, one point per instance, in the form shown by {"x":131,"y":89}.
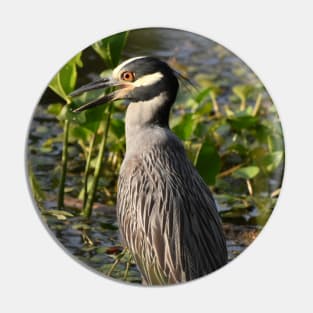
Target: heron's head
{"x":145,"y":81}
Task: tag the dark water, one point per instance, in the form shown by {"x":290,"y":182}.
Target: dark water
{"x":96,"y":242}
{"x":195,"y":55}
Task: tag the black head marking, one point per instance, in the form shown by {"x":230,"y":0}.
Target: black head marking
{"x":149,"y":65}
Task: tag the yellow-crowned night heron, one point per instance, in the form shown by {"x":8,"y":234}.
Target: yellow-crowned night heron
{"x":166,"y":213}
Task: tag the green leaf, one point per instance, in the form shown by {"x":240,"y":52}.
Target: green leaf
{"x":81,"y":226}
{"x":59,"y":214}
{"x":92,"y":126}
{"x":243,"y":122}
{"x":117,"y":126}
{"x":64,"y":81}
{"x":96,"y":114}
{"x":185,"y":127}
{"x":242,"y":91}
{"x":55,"y":108}
{"x":67,"y":114}
{"x":205,"y":80}
{"x":201,"y":130}
{"x":208,"y":163}
{"x":272,"y":160}
{"x":257,"y":155}
{"x":90,"y":118}
{"x":79,"y":132}
{"x":238,"y":148}
{"x":110,"y":48}
{"x":38,"y":193}
{"x":262,"y":132}
{"x":247,"y":172}
{"x":203,"y":94}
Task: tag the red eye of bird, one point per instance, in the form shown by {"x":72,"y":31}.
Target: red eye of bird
{"x":128,"y":76}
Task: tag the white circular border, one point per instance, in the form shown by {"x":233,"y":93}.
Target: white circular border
{"x":273,"y":40}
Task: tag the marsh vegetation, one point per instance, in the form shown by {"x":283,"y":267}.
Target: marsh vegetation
{"x":228,"y":124}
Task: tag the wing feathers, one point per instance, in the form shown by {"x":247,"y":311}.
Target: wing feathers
{"x":168,"y":218}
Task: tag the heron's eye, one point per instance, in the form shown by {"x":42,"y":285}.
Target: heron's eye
{"x":128,"y":76}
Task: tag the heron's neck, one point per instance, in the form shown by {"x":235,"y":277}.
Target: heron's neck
{"x":143,"y":114}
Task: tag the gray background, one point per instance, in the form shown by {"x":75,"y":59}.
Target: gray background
{"x":274,"y":39}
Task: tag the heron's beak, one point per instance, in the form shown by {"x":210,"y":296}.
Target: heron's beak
{"x":99,"y":84}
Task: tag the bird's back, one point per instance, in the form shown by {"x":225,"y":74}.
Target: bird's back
{"x":167,"y":216}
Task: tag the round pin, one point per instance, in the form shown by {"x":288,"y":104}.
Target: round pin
{"x":155,"y":156}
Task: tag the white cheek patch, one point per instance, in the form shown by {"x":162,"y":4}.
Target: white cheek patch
{"x":148,"y":80}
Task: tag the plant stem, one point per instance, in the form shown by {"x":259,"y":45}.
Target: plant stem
{"x":127,"y":268}
{"x":195,"y":161}
{"x":243,"y":103}
{"x":91,"y":146}
{"x":249,"y":186}
{"x":215,"y":104}
{"x":118,"y":259}
{"x":91,"y":195}
{"x":257,"y":105}
{"x":109,"y":272}
{"x":64,"y":165}
{"x":229,"y":171}
{"x":275,"y":193}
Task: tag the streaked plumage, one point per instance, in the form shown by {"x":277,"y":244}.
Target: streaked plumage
{"x":167,"y":216}
{"x":166,"y":213}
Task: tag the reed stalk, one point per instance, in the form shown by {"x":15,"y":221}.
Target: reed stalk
{"x":99,"y":163}
{"x":87,"y":167}
{"x":63,"y":164}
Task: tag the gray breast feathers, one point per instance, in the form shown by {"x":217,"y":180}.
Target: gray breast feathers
{"x":167,"y":216}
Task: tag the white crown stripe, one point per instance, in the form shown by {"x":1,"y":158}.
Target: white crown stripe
{"x":118,"y":68}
